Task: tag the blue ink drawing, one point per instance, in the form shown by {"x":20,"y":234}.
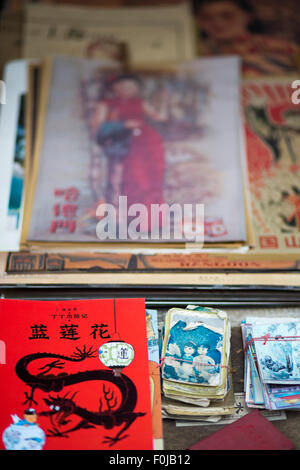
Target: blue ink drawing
{"x":279,"y":356}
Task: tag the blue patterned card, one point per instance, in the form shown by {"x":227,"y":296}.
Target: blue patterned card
{"x":277,"y":345}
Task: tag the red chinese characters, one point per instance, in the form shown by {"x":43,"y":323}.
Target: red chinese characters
{"x":65,"y":211}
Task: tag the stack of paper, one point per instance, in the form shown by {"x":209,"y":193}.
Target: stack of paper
{"x":195,"y":363}
{"x":272,"y":362}
{"x":106,"y":166}
{"x":154,"y":372}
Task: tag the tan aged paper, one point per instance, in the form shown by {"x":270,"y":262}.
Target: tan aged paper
{"x":153,"y":34}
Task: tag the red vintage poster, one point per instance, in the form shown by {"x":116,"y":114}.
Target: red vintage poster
{"x":141,"y":153}
{"x":272,"y":137}
{"x":74,"y":375}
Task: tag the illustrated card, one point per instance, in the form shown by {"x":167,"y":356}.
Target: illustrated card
{"x":194,"y":348}
{"x":277,"y":347}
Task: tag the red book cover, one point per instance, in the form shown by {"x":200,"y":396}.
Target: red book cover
{"x":74,"y":375}
{"x":251,"y":432}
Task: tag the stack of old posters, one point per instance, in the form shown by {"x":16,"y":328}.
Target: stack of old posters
{"x":195,"y":358}
{"x":266,"y":37}
{"x":181,"y":113}
{"x":272,"y":362}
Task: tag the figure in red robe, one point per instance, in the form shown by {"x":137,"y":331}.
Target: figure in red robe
{"x":135,"y":150}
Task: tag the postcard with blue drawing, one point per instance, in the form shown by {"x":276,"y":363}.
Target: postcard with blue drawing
{"x":195,"y":346}
{"x":277,"y":345}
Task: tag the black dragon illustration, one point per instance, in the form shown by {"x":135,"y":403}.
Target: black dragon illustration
{"x":63,"y":407}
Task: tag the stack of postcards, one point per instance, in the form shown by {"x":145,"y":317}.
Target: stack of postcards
{"x":272,"y":362}
{"x":196,"y":376}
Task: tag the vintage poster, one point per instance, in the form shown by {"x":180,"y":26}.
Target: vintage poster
{"x":153,"y":34}
{"x":10,"y":37}
{"x":28,"y":262}
{"x":134,"y":144}
{"x":265,"y":34}
{"x":74,"y":375}
{"x":12,"y":151}
{"x":272,"y":135}
{"x":17,"y":180}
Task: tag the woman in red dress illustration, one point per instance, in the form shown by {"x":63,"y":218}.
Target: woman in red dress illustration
{"x":135,"y":150}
